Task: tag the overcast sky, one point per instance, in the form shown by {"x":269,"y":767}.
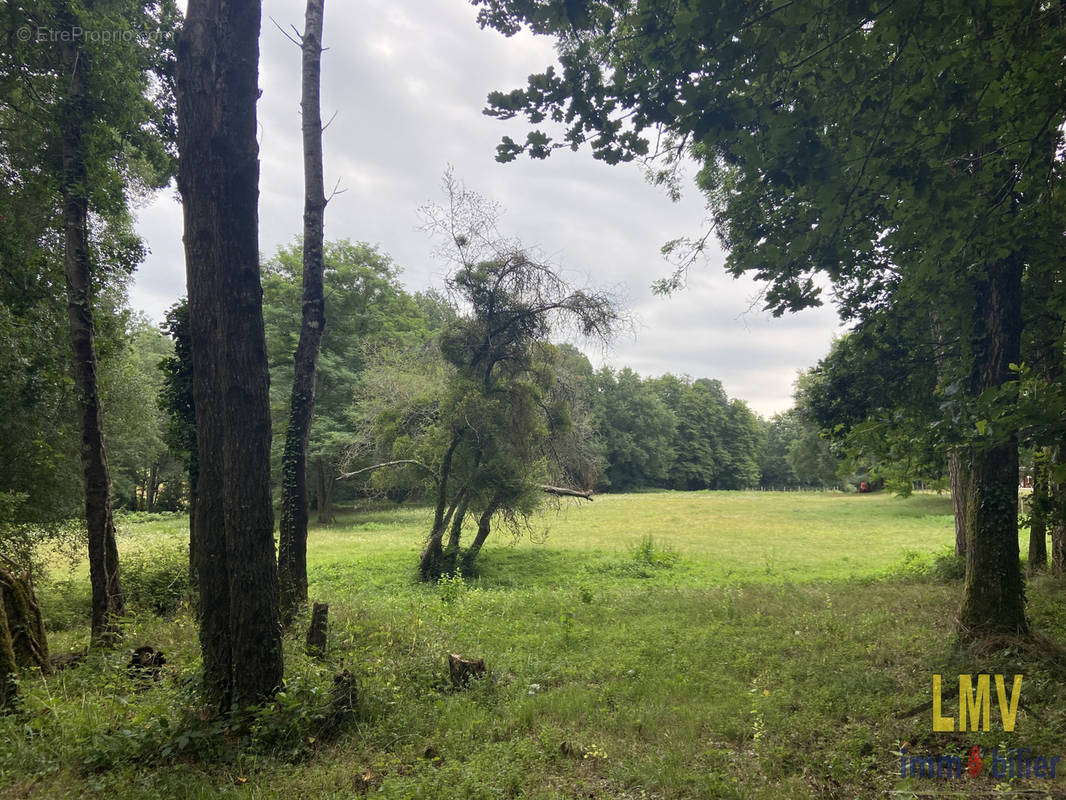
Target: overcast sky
{"x":408,"y":83}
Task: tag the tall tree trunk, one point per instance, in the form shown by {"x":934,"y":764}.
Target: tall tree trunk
{"x":292,"y":551}
{"x":217,"y":89}
{"x":1038,"y":512}
{"x":107,"y":602}
{"x":957,"y":482}
{"x":484,"y":524}
{"x":994,"y":591}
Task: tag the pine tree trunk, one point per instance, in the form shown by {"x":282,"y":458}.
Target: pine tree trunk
{"x":957,"y":484}
{"x":217,"y":89}
{"x":292,"y":552}
{"x":107,"y":602}
{"x":994,"y":591}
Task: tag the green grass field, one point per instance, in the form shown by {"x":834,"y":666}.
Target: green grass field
{"x":757,"y":645}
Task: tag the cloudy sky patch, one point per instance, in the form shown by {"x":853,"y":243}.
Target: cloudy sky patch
{"x":408,"y":84}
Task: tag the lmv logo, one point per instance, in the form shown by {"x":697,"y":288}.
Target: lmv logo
{"x":975,"y":704}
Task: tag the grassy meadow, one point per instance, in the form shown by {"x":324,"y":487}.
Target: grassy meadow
{"x":674,"y":645}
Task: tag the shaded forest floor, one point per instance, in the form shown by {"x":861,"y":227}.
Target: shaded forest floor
{"x":698,"y":645}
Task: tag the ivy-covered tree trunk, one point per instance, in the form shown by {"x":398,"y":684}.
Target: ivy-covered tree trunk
{"x":107,"y":602}
{"x":217,"y":90}
{"x":22,"y":636}
{"x":8,"y":668}
{"x":292,"y":548}
{"x":957,"y":485}
{"x":994,"y":591}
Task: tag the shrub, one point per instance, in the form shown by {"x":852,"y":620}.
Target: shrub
{"x":156,"y":579}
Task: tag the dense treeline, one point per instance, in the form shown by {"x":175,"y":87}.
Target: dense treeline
{"x":381,"y":350}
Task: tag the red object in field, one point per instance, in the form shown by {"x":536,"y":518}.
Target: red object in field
{"x":864,"y":486}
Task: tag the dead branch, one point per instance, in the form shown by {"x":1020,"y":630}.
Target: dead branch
{"x":401,"y":463}
{"x":564,"y":492}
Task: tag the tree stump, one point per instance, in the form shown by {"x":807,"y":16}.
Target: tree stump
{"x":343,"y":702}
{"x":316,"y":634}
{"x":145,"y":665}
{"x":462,"y":670}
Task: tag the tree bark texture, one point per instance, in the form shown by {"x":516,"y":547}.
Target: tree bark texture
{"x":994,"y":591}
{"x":217,"y":89}
{"x":292,"y":549}
{"x":23,"y":642}
{"x":957,"y":483}
{"x":107,"y":601}
{"x":1038,"y":512}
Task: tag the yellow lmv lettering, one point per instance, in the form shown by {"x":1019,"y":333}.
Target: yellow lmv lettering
{"x":974,"y":705}
{"x":940,"y":722}
{"x":1009,"y":713}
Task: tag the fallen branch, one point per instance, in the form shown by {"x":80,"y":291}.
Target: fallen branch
{"x":401,"y":463}
{"x":564,"y":492}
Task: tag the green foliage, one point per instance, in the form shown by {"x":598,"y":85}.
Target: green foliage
{"x":156,"y":579}
{"x":638,"y":430}
{"x":367,"y":311}
{"x":650,"y":553}
{"x":136,"y":424}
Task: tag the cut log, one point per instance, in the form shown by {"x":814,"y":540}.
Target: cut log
{"x":462,"y":670}
{"x":316,"y":634}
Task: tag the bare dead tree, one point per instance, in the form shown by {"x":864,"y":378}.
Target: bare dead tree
{"x":292,"y":547}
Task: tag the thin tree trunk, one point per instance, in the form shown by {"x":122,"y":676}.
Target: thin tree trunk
{"x":429,"y":563}
{"x":324,"y":485}
{"x":107,"y":602}
{"x":957,"y":484}
{"x":151,"y":488}
{"x":457,"y":522}
{"x":217,"y":82}
{"x":1038,"y":512}
{"x":292,"y":552}
{"x":994,"y":591}
{"x":484,"y":524}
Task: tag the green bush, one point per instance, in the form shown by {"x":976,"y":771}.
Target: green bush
{"x":657,"y":555}
{"x":948,"y":567}
{"x":156,"y":579}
